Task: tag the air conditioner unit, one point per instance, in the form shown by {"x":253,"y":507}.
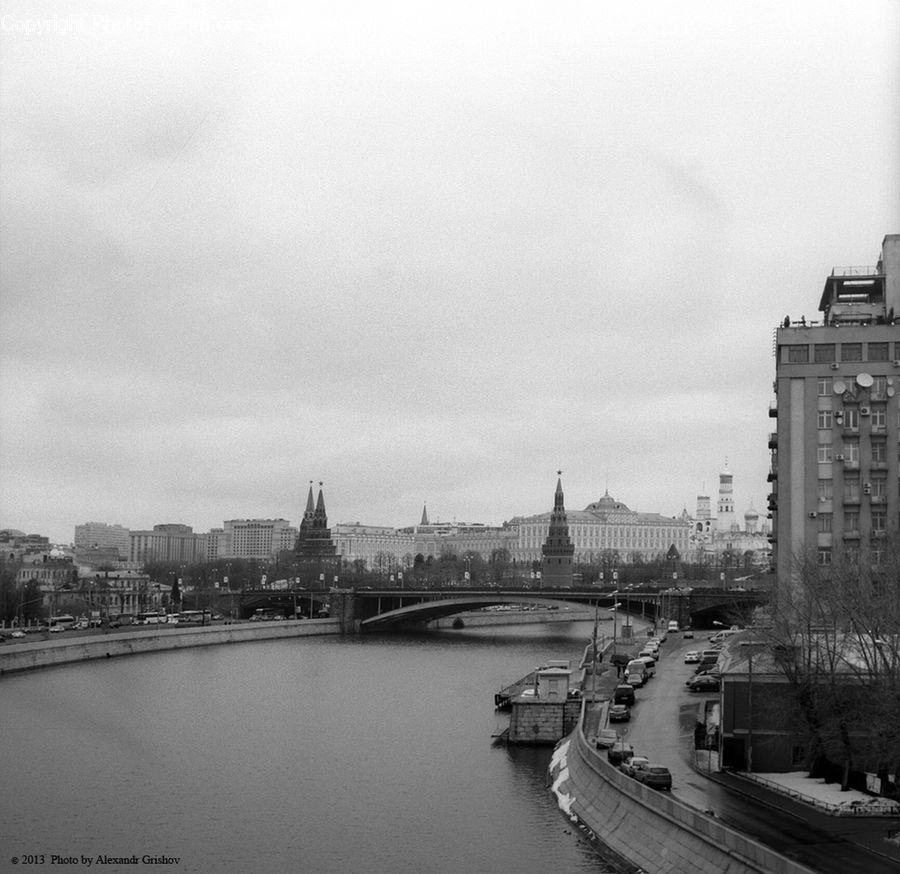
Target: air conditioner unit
{"x":897,"y":364}
{"x":864,"y":411}
{"x":834,"y":365}
{"x":813,"y":515}
{"x":839,"y":458}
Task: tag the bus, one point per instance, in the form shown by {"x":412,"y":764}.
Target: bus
{"x":152,"y":618}
{"x":64,"y":622}
{"x":195,"y":617}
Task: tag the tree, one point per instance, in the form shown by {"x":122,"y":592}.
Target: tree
{"x":836,"y":632}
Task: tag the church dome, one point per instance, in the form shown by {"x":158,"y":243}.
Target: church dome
{"x":605,"y":505}
{"x":751,"y":515}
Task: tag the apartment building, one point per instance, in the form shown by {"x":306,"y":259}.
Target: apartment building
{"x":834,"y":471}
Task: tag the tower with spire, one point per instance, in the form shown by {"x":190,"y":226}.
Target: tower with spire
{"x":315,"y":550}
{"x":558,"y":549}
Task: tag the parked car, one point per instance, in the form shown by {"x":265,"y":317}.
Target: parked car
{"x":18,"y":633}
{"x":619,"y":752}
{"x":650,"y":662}
{"x":688,"y":634}
{"x":619,"y":713}
{"x":654,"y":775}
{"x":704,"y":683}
{"x":634,"y":762}
{"x":606,"y":737}
{"x":624,"y":694}
{"x":692,"y":657}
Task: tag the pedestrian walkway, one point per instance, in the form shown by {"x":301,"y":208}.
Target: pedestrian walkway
{"x":875,"y":834}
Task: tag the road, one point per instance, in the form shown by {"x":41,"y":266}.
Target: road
{"x":809,"y":837}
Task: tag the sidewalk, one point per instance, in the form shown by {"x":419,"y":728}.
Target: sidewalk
{"x":875,"y":834}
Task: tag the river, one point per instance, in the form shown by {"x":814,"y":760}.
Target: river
{"x":318,"y":755}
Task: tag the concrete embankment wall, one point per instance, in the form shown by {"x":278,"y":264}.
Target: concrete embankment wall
{"x":47,"y":653}
{"x":651,"y":829}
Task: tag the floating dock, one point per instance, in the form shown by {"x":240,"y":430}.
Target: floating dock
{"x":503,"y":698}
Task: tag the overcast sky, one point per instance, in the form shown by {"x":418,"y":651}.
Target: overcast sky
{"x":422,"y":254}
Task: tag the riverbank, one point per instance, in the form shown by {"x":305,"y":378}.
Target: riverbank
{"x":31,"y":655}
{"x":650,"y":829}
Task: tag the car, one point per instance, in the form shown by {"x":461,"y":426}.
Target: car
{"x":619,"y":752}
{"x":606,"y":737}
{"x":688,"y":635}
{"x":704,"y":683}
{"x":692,"y":657}
{"x":634,"y":762}
{"x":18,"y":633}
{"x":624,"y":694}
{"x":650,"y":662}
{"x":55,"y":629}
{"x":654,"y":775}
{"x":619,"y":713}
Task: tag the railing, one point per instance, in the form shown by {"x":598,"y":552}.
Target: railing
{"x":868,"y":270}
{"x":852,"y":808}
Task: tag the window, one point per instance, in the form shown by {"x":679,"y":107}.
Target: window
{"x":826,"y":489}
{"x":824,"y":453}
{"x":879,"y":521}
{"x":823,"y":419}
{"x":851,"y":520}
{"x":851,"y":351}
{"x":879,"y":487}
{"x":824,"y":556}
{"x":824,"y":352}
{"x":879,"y":388}
{"x":879,"y":416}
{"x":825,"y":523}
{"x":798,"y":354}
{"x":878,"y":351}
{"x":851,"y":418}
{"x":825,"y":386}
{"x":879,"y":451}
{"x":851,"y":490}
{"x":851,"y":451}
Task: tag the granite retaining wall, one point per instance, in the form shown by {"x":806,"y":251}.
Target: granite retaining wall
{"x":652,"y":829}
{"x":30,"y":655}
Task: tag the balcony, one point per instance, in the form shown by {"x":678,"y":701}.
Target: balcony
{"x":773,"y":440}
{"x":773,"y":410}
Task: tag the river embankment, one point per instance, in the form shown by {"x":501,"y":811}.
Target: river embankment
{"x":652,"y":830}
{"x":30,"y":655}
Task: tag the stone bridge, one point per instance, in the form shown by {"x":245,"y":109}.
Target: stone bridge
{"x":385,"y":608}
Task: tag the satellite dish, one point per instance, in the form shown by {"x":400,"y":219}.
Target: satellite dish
{"x":864,"y":380}
{"x":891,"y":391}
{"x":839,"y":387}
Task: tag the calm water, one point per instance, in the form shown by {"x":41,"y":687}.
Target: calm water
{"x":320,"y":755}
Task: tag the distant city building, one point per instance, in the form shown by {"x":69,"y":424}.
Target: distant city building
{"x":720,"y":539}
{"x":603,"y":528}
{"x":100,"y":535}
{"x":558,"y":549}
{"x":257,"y":538}
{"x":834,"y":467}
{"x":15,"y":544}
{"x":168,"y":543}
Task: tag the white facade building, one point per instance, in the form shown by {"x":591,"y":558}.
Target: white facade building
{"x":100,"y":535}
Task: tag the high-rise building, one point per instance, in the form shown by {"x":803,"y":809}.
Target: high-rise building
{"x":168,"y":543}
{"x":834,"y":467}
{"x":100,"y":535}
{"x":258,"y":538}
